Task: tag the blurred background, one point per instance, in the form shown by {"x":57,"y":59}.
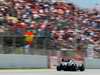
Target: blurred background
{"x":60,"y":28}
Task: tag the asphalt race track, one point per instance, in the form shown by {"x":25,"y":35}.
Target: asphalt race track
{"x":48,"y":72}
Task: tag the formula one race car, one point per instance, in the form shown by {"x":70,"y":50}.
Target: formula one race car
{"x":70,"y":65}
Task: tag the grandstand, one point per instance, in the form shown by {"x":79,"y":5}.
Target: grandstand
{"x":41,"y":27}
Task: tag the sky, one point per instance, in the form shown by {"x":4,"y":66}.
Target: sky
{"x":86,"y":3}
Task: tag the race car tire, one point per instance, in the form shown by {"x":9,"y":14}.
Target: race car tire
{"x":82,"y":68}
{"x":59,"y":68}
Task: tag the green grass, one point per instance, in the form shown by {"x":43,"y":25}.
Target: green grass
{"x":20,"y":68}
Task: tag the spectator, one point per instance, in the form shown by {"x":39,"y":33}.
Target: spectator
{"x":59,"y":21}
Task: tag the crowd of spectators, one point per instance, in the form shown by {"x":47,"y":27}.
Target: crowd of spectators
{"x":62,"y":24}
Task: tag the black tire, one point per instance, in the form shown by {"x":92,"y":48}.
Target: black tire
{"x":82,"y":68}
{"x":58,"y":68}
